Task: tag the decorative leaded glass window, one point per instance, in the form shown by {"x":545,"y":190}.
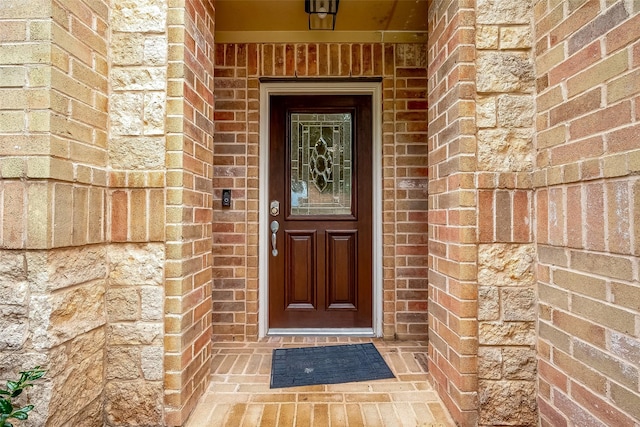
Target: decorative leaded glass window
{"x":321,"y":164}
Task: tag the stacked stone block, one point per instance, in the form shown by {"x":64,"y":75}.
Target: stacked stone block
{"x":587,"y":209}
{"x":134,"y":347}
{"x":235,"y":262}
{"x":134,"y":389}
{"x":506,"y":254}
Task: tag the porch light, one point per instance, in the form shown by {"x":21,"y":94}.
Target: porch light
{"x":322,"y":14}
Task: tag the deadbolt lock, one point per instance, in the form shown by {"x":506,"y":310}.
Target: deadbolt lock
{"x":274,"y":209}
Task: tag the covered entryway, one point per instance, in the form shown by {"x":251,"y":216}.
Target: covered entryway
{"x":359,"y":267}
{"x":348,"y":256}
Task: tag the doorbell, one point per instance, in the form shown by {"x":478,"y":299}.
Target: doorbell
{"x":226,"y":198}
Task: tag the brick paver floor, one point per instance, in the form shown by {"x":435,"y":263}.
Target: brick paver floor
{"x":239,"y":393}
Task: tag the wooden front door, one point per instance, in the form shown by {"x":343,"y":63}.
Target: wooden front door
{"x":320,"y":200}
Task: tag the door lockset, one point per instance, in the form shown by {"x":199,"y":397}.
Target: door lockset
{"x":275,"y":226}
{"x":274,"y":208}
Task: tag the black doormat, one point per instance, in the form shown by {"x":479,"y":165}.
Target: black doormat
{"x":292,"y":367}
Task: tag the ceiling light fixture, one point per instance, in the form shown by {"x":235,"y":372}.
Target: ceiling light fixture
{"x":322,"y":14}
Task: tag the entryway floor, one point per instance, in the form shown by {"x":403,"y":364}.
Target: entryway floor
{"x":239,"y":393}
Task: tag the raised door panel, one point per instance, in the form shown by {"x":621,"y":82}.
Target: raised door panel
{"x":342,"y":270}
{"x":300,"y":277}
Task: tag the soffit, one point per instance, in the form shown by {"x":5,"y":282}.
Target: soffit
{"x":286,"y":21}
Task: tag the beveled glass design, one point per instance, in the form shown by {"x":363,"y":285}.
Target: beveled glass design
{"x":321,"y":164}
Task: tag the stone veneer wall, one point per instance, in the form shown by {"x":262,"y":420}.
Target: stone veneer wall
{"x":236,"y":161}
{"x":506,"y":254}
{"x":134,"y":391}
{"x":53,"y":262}
{"x":482,"y":295}
{"x":588,"y":212}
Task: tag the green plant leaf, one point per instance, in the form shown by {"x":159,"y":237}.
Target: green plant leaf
{"x":5,"y":406}
{"x":36,"y":375}
{"x":19,"y":415}
{"x":15,"y":389}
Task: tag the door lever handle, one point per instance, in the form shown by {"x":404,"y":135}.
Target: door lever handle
{"x":275,"y":226}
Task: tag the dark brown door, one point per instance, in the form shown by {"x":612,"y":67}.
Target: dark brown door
{"x":320,"y":192}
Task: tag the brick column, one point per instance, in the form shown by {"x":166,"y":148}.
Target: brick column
{"x":453,"y":293}
{"x":409,"y":191}
{"x":230,"y":292}
{"x":482,"y":295}
{"x":189,"y":151}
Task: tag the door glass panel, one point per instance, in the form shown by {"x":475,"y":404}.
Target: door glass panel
{"x":321,"y":164}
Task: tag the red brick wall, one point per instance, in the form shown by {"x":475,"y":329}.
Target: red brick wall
{"x":453,"y":341}
{"x":587,"y":208}
{"x":189,"y":207}
{"x":235,"y":245}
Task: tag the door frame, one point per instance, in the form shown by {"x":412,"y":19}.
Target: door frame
{"x":323,"y":87}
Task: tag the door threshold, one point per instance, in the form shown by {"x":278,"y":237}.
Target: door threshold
{"x":324,"y":332}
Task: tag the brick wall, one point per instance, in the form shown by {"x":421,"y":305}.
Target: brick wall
{"x":53,"y":127}
{"x":453,"y":340}
{"x":405,"y":193}
{"x":189,"y":206}
{"x":235,"y":261}
{"x":587,"y":208}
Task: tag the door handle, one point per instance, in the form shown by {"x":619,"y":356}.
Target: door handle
{"x":275,"y":226}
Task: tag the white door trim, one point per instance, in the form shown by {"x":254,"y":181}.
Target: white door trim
{"x":320,"y":88}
